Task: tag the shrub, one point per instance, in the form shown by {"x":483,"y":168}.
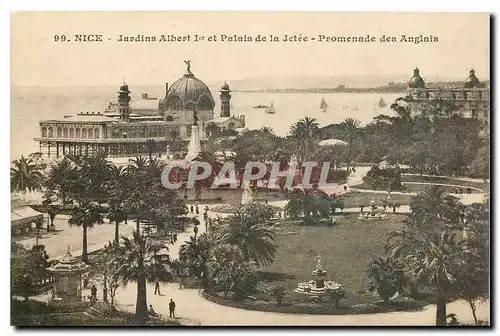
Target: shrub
{"x":278,"y":293}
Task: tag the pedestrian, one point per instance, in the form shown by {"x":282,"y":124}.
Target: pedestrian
{"x":279,"y":214}
{"x":191,"y":210}
{"x":469,"y":191}
{"x":206,"y":208}
{"x":157,"y":288}
{"x":197,"y":210}
{"x":171,"y":308}
{"x":93,"y":293}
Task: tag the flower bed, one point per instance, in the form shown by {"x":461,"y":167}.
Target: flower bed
{"x":317,"y":308}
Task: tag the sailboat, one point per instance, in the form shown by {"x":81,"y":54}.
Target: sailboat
{"x":324,"y":105}
{"x":355,"y":108}
{"x":381,"y":103}
{"x":270,"y":109}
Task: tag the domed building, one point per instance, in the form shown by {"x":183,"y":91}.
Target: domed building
{"x":416,"y":82}
{"x":472,"y":81}
{"x":140,"y":127}
{"x":470,"y":101}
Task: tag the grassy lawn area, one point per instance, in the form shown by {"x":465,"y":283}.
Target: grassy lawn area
{"x":345,"y":249}
{"x":444,"y":180}
{"x":357,"y":199}
{"x":416,"y":188}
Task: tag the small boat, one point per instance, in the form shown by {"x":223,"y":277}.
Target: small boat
{"x":260,"y":107}
{"x":324,"y":105}
{"x":270,"y":109}
{"x":355,"y":108}
{"x":381,"y":103}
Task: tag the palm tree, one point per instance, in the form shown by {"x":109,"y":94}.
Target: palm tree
{"x":25,"y":175}
{"x":229,"y":270}
{"x":142,"y":261}
{"x":386,"y":278}
{"x":305,"y":131}
{"x":255,"y":239}
{"x":267,"y":130}
{"x":85,"y":214}
{"x":194,"y":255}
{"x":117,"y":192}
{"x":351,"y":127}
{"x":433,"y":258}
{"x":436,"y":204}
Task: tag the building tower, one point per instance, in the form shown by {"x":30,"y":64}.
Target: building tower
{"x":123,"y":103}
{"x":225,"y":99}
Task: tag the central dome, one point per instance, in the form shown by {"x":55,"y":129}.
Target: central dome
{"x":189,"y":92}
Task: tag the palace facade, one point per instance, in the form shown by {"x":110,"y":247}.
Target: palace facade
{"x":472,"y":100}
{"x":130,"y":128}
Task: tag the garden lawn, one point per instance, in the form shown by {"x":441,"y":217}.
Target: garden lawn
{"x":417,"y":188}
{"x":346,"y":251}
{"x":356,"y":199}
{"x":445,"y":180}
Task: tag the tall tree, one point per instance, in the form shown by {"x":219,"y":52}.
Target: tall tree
{"x":142,"y":260}
{"x":432,"y":258}
{"x":305,"y":132}
{"x":351,"y":127}
{"x":85,"y":214}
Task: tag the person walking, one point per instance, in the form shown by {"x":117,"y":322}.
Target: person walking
{"x":157,"y":288}
{"x":93,"y":293}
{"x":171,"y":308}
{"x":197,"y":210}
{"x":191,"y":209}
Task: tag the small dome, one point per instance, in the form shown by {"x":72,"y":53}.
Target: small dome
{"x":189,"y":92}
{"x":225,"y":86}
{"x":472,"y":81}
{"x":124,"y":87}
{"x":416,"y":82}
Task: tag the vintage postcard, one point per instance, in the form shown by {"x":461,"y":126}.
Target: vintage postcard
{"x":250,"y":169}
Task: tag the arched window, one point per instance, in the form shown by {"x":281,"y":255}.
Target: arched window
{"x":71,"y":133}
{"x":84,"y":133}
{"x":78,"y":133}
{"x":59,"y":132}
{"x":170,"y":118}
{"x":90,"y":133}
{"x":65,"y":132}
{"x":44,"y":132}
{"x":96,"y":133}
{"x":51,"y":132}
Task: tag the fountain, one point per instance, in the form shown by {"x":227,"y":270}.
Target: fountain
{"x":375,"y":213}
{"x":318,"y":286}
